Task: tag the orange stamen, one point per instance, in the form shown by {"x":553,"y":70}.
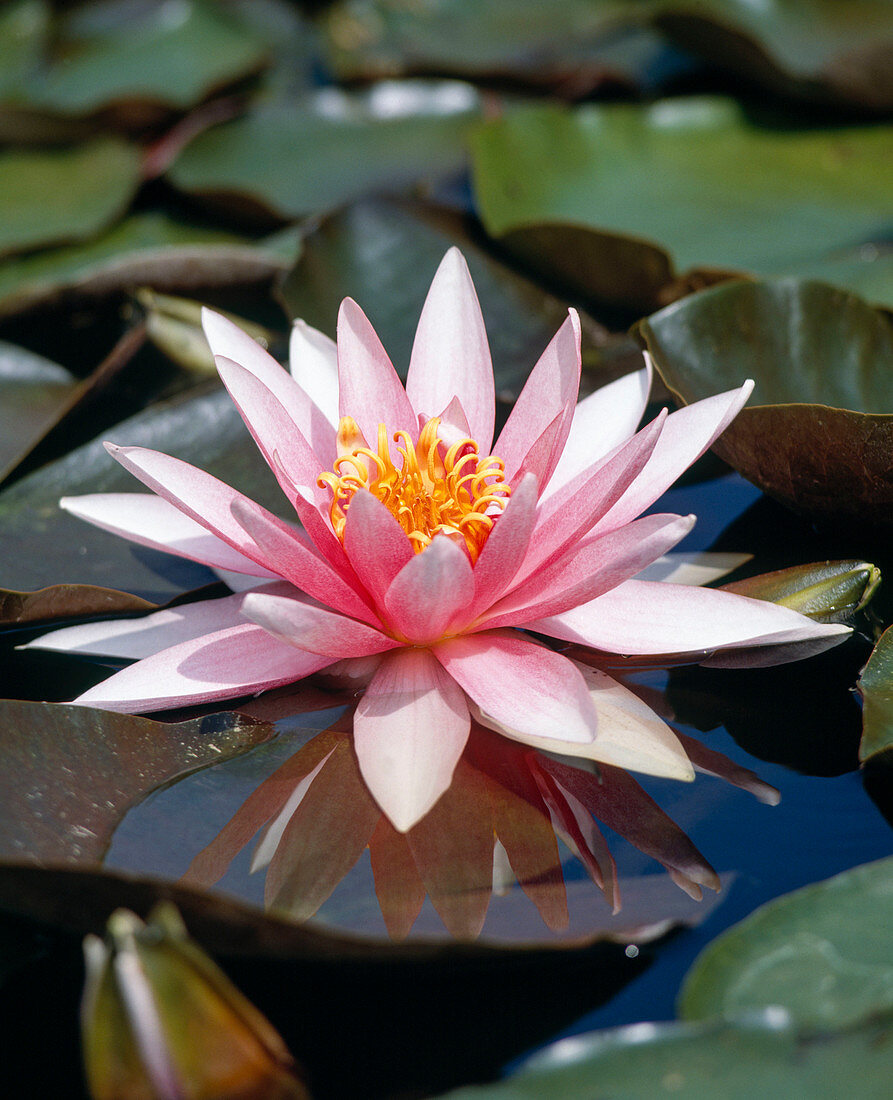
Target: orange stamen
{"x":456,"y":493}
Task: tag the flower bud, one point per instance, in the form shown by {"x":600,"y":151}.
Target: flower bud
{"x":828,"y":591}
{"x":160,"y":1021}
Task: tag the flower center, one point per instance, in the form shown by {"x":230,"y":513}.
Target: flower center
{"x":436,"y":490}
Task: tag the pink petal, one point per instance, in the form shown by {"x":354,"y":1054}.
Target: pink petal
{"x":686,"y":436}
{"x":410,"y":728}
{"x":313,"y":361}
{"x":602,"y":421}
{"x":592,"y":568}
{"x":450,"y":353}
{"x":297,"y":622}
{"x":699,"y":567}
{"x":454,"y":426}
{"x":135,"y":638}
{"x":238,"y":661}
{"x":151,"y":521}
{"x":228,"y":341}
{"x":641,"y":617}
{"x":550,"y":391}
{"x":716,"y":763}
{"x":369,"y":389}
{"x":573,"y":511}
{"x":375,"y":543}
{"x":505,"y":547}
{"x":432,"y":589}
{"x":522,"y":686}
{"x":400,"y":891}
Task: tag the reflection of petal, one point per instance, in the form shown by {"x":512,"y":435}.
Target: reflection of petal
{"x":400,"y":891}
{"x":616,"y":799}
{"x":716,"y":763}
{"x":323,"y":839}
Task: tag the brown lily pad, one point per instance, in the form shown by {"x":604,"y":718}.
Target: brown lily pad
{"x":818,"y":434}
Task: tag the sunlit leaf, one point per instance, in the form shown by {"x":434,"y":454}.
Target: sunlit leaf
{"x":56,"y":195}
{"x":818,"y":433}
{"x":167,"y":54}
{"x":763,"y":1056}
{"x":375,"y":252}
{"x":301,"y":156}
{"x":876,"y":688}
{"x":647,"y":175}
{"x":149,"y":249}
{"x":822,"y":953}
{"x":818,"y":49}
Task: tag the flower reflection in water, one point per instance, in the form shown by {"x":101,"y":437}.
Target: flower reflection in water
{"x":499,"y":823}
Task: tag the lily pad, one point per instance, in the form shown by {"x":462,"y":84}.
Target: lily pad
{"x":876,"y":688}
{"x":646,"y":175}
{"x":376,"y":251}
{"x":56,"y":195}
{"x":763,"y":1056}
{"x":832,"y":50}
{"x":822,"y":953}
{"x":148,"y":53}
{"x":306,"y":155}
{"x":24,"y":28}
{"x":65,"y":601}
{"x":148,"y":249}
{"x":571,"y":46}
{"x":819,"y":434}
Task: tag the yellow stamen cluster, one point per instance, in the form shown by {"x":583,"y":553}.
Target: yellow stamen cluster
{"x":435,"y":491}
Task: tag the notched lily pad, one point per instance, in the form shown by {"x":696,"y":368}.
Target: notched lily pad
{"x":876,"y":688}
{"x":818,"y":435}
{"x":822,"y":953}
{"x":306,"y":155}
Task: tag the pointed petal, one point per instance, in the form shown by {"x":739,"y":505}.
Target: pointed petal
{"x":375,"y":543}
{"x":686,"y":435}
{"x":700,"y":567}
{"x":313,"y":361}
{"x":136,"y":638}
{"x":595,"y":566}
{"x":454,"y":426}
{"x":430,"y":591}
{"x":641,"y":617}
{"x":520,"y":685}
{"x":306,"y":625}
{"x":228,"y":341}
{"x":225,"y":665}
{"x":450,"y":353}
{"x":151,"y":521}
{"x":716,"y":763}
{"x":505,"y":548}
{"x":602,"y":421}
{"x":369,"y":389}
{"x":400,"y":891}
{"x":410,"y":728}
{"x":550,"y":391}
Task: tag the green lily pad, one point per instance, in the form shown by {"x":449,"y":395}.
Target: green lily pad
{"x":819,"y":433}
{"x":761,"y":1057}
{"x":384,"y":255}
{"x":838,"y":50}
{"x":641,"y":179}
{"x":571,"y":46}
{"x":823,"y":953}
{"x":168,"y":55}
{"x":301,"y":156}
{"x":149,"y":249}
{"x":33,"y":394}
{"x":56,"y":195}
{"x":65,"y":601}
{"x":24,"y":27}
{"x":876,"y":688}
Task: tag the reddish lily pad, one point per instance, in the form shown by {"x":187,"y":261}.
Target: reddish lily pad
{"x":876,"y":688}
{"x":818,"y":434}
{"x":65,"y":601}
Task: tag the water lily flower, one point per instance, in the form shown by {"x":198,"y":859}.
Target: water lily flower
{"x":428,"y":556}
